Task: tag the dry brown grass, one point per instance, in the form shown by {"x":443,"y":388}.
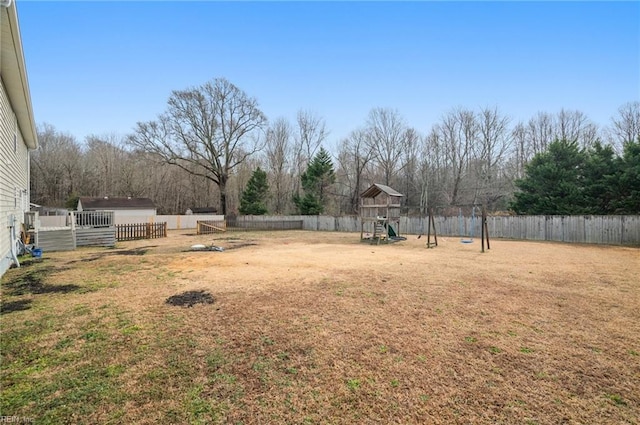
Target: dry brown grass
{"x":310,"y":327}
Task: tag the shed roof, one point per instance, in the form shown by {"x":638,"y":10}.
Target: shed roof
{"x":376,"y":189}
{"x":204,"y":210}
{"x":107,"y":203}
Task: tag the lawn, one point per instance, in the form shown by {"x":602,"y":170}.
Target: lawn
{"x":317,"y":328}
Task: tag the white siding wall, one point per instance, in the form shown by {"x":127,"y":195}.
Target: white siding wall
{"x":143,"y":214}
{"x":14,"y":176}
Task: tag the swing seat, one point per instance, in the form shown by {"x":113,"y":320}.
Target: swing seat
{"x":466,"y":240}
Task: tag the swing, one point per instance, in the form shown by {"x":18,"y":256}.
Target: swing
{"x":463,"y":225}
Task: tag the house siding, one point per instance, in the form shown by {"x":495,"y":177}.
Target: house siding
{"x":14,"y":176}
{"x":133,"y":213}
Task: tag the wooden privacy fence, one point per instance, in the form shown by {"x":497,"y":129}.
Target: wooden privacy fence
{"x":205,"y":227}
{"x":592,"y":229}
{"x":130,"y":232}
{"x":256,"y":223}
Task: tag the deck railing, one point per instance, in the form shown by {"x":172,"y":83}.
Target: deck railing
{"x":94,"y":218}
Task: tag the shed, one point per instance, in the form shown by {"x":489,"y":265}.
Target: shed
{"x":202,"y":210}
{"x":379,"y":213}
{"x":129,"y":207}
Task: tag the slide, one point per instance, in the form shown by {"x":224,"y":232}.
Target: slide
{"x":392,"y":233}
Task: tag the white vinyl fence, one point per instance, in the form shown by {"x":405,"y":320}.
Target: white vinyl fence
{"x":174,"y":222}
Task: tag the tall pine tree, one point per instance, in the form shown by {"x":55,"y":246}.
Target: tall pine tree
{"x":553,"y":182}
{"x":315,"y":183}
{"x":600,"y":180}
{"x":628,"y":190}
{"x":567,"y":180}
{"x":255,"y":194}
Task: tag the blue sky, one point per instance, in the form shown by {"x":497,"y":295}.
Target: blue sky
{"x":99,"y":67}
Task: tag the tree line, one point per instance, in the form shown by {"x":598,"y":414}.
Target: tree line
{"x":566,"y":180}
{"x":205,"y":147}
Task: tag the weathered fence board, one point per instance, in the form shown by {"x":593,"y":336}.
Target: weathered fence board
{"x":630,"y":230}
{"x":207,"y":227}
{"x":268,"y":223}
{"x":553,"y":228}
{"x":346,"y":223}
{"x":614,"y":230}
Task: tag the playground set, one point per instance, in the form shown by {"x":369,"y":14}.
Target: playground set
{"x":380,"y":214}
{"x":380,"y":219}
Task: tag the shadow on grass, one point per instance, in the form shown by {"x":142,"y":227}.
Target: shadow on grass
{"x":31,"y":282}
{"x":29,"y":261}
{"x":241,"y":245}
{"x":30,"y":279}
{"x":190,"y":298}
{"x":12,"y":306}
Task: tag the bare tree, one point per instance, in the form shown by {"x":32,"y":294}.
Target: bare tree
{"x":410,"y":184}
{"x":172,"y":189}
{"x":386,"y":137}
{"x":56,"y":167}
{"x":353,"y":157}
{"x":433,"y":170}
{"x":575,"y":126}
{"x":134,"y":170}
{"x":238,"y":181}
{"x":540,"y":132}
{"x":278,"y":157}
{"x":490,"y":150}
{"x":522,"y":152}
{"x":207,"y":131}
{"x":107,"y":161}
{"x":458,"y":134}
{"x":312,"y":132}
{"x":625,"y":126}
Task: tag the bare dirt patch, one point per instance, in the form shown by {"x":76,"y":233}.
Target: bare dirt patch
{"x":190,"y":298}
{"x":312,"y":327}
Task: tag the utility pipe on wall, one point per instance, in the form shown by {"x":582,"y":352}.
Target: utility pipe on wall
{"x":13,"y":239}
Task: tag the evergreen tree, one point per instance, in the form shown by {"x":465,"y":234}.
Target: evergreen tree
{"x":315,"y":183}
{"x":600,"y":177}
{"x":566,"y":180}
{"x":553,"y":182}
{"x":72,"y":202}
{"x":255,"y":194}
{"x":628,"y":190}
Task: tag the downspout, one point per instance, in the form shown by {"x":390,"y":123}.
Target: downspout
{"x":13,"y":239}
